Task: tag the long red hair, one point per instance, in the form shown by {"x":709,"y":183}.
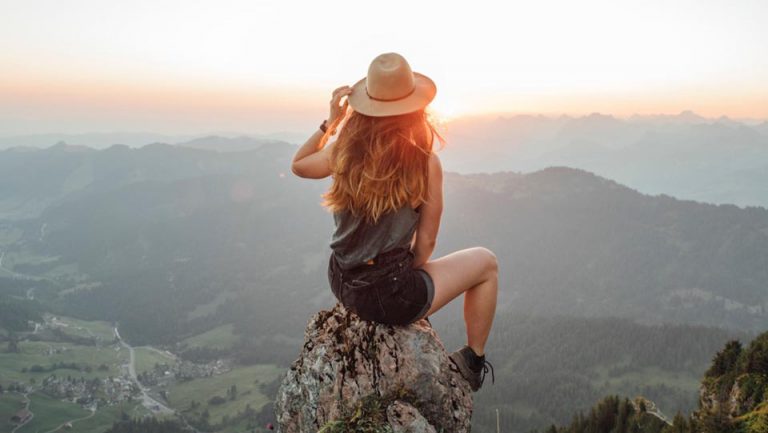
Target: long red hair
{"x":380,"y":164}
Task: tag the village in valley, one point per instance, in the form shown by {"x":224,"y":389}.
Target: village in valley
{"x":67,"y":372}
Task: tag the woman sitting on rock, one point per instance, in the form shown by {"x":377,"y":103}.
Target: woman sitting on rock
{"x":387,"y":201}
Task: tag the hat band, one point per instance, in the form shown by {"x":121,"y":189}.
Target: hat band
{"x":390,"y":99}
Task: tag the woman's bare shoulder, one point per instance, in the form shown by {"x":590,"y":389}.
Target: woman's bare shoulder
{"x":435,"y":166}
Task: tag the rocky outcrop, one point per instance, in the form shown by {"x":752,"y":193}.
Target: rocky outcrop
{"x":352,"y":371}
{"x":734,"y":403}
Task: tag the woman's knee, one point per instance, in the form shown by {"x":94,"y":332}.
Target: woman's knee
{"x":490,"y":262}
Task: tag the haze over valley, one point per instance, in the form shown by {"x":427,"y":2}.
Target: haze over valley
{"x":208,"y":257}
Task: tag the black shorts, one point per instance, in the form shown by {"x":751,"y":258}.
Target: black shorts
{"x":391,"y":291}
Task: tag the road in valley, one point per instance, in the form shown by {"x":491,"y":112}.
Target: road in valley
{"x":150,"y":403}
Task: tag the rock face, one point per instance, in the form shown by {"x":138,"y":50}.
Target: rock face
{"x":346,"y":362}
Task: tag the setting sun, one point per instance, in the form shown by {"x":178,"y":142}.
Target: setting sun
{"x":445,"y":110}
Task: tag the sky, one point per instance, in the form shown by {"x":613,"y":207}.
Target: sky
{"x":253,"y":66}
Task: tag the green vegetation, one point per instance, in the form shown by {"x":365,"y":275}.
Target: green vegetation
{"x":738,"y":381}
{"x":369,"y":415}
{"x":15,"y":313}
{"x":21,"y":261}
{"x":735,"y":400}
{"x":50,"y":413}
{"x":755,"y":421}
{"x":209,"y":308}
{"x":149,"y":425}
{"x":620,"y":378}
{"x":221,"y":338}
{"x":548,"y":368}
{"x":147,"y":358}
{"x":9,"y":404}
{"x":18,"y":366}
{"x":105,"y":417}
{"x":104,"y":331}
{"x":614,"y":415}
{"x":191,"y":397}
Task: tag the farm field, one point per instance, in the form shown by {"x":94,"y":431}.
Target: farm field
{"x":104,"y":418}
{"x":221,"y":337}
{"x":46,"y":353}
{"x":247,"y":379}
{"x":83,"y":328}
{"x":49,"y":413}
{"x":9,"y":404}
{"x":147,"y":357}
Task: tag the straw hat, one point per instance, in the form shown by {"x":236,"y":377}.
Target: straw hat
{"x":391,"y":88}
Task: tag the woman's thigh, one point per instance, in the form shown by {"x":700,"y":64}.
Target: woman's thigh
{"x":455,"y":273}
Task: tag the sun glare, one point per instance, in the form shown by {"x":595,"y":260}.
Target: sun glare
{"x":443,"y":110}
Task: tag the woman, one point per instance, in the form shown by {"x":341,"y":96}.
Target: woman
{"x":387,"y":200}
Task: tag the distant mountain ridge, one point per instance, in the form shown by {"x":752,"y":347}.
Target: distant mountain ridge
{"x":32,"y":179}
{"x":229,"y":144}
{"x":685,"y":156}
{"x":222,"y":142}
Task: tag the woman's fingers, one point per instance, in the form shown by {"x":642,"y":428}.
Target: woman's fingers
{"x":338,"y":94}
{"x":338,"y":109}
{"x":342,"y":89}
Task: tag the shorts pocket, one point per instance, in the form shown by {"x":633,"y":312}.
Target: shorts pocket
{"x":362,"y":298}
{"x":410,"y":289}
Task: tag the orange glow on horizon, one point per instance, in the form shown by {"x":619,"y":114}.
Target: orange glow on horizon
{"x":202,"y":106}
{"x":255,"y":65}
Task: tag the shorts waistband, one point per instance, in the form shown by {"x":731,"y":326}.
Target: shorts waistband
{"x":396,"y":255}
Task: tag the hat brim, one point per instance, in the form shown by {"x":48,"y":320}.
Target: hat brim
{"x":424,"y":92}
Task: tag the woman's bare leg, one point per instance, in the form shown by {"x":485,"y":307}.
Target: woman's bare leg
{"x":474,"y":271}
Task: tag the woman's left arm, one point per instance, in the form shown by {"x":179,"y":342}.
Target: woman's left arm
{"x":312,"y":160}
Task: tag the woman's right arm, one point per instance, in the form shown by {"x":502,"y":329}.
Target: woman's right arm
{"x":430,"y":214}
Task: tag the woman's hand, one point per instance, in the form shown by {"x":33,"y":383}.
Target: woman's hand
{"x":338,"y":110}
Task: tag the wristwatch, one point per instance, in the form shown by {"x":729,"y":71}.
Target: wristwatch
{"x":324,"y":126}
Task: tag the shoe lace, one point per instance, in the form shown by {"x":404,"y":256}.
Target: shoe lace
{"x":487,"y":364}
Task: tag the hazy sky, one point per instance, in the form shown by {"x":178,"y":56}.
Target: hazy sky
{"x":184,"y":66}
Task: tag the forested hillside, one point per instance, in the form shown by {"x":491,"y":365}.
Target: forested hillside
{"x":548,"y":368}
{"x":733,"y":398}
{"x":169,"y":241}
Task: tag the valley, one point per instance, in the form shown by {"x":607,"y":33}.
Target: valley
{"x":70,"y":372}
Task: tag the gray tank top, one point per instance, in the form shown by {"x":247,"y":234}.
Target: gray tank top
{"x":356,"y":241}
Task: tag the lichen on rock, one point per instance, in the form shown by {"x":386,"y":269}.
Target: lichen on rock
{"x":347,"y":363}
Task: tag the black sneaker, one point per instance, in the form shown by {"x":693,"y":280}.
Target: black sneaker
{"x":472,"y":367}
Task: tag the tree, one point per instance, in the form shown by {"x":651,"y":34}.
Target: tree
{"x":679,"y":425}
{"x":725,"y":360}
{"x":757,"y":355}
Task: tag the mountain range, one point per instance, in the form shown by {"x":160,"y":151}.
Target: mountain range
{"x":685,"y":156}
{"x":603,"y":289}
{"x":236,"y":225}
